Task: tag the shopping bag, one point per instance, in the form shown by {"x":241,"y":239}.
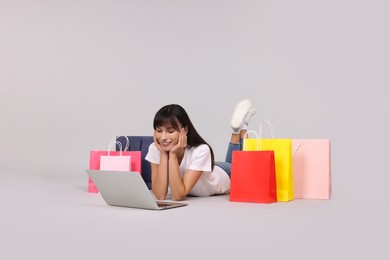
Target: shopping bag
{"x":116,"y":163}
{"x":312,"y":168}
{"x":140,"y":143}
{"x":282,"y":148}
{"x":110,"y":163}
{"x":253,"y":177}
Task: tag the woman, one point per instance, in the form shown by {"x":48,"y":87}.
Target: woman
{"x":183,"y":162}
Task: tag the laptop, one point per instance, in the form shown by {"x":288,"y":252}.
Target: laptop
{"x":127,"y":189}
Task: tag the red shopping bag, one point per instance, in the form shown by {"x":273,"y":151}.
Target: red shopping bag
{"x":283,"y":160}
{"x":253,"y":177}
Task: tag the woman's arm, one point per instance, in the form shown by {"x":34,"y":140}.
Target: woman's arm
{"x":180,"y":187}
{"x":160,"y":175}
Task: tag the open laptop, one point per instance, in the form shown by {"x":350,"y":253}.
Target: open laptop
{"x":127,"y":189}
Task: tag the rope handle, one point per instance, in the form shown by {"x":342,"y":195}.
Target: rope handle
{"x":115,"y":142}
{"x":258,"y":143}
{"x":297,"y":148}
{"x":270,"y":126}
{"x":127,"y":141}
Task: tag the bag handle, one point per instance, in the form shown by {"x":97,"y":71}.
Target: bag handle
{"x":270,"y":126}
{"x":127,"y":141}
{"x":258,"y":143}
{"x":296,"y":149}
{"x":115,"y":142}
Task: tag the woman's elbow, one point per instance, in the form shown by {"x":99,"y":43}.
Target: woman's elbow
{"x":179,"y":197}
{"x":159,"y":196}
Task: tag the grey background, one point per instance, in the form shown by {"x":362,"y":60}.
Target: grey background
{"x":73,"y":74}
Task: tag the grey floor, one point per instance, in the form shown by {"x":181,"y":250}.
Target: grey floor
{"x":55,"y":218}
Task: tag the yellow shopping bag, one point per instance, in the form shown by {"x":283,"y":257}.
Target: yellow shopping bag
{"x":283,"y":161}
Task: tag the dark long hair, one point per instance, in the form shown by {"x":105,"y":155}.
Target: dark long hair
{"x":172,"y":114}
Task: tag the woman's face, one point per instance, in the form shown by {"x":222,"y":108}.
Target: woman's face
{"x":167,"y":136}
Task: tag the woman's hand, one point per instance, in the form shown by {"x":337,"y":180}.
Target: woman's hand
{"x":157,"y":144}
{"x":181,"y":144}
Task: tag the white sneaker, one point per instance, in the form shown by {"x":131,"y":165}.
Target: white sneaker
{"x":241,"y":115}
{"x":249,"y":115}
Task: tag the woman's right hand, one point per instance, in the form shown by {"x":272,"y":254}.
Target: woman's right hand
{"x":157,"y":144}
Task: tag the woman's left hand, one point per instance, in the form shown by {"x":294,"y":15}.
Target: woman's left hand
{"x":182,"y":143}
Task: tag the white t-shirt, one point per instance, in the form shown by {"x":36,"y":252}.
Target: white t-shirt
{"x":198,"y":159}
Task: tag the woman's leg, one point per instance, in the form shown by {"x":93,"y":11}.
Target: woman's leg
{"x":235,"y":144}
{"x":225,"y":166}
{"x":239,"y":122}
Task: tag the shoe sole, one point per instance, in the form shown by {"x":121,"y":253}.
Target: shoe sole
{"x":239,"y":113}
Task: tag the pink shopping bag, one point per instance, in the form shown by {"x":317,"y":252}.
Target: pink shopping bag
{"x":116,"y":163}
{"x":312,"y":168}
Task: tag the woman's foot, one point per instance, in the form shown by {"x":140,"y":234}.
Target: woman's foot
{"x":241,"y":115}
